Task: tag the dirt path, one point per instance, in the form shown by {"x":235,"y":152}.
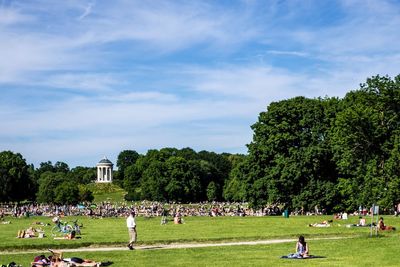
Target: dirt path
{"x":174,"y":246}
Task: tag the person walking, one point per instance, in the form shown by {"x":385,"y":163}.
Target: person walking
{"x":131,"y":224}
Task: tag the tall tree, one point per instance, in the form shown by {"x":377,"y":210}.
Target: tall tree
{"x":125,"y":159}
{"x":67,"y":193}
{"x":364,"y":137}
{"x":290,"y":150}
{"x":48,"y":182}
{"x":15,"y":180}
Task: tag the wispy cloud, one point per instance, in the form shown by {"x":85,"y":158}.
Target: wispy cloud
{"x":90,"y":82}
{"x":287,"y":53}
{"x":86,"y":12}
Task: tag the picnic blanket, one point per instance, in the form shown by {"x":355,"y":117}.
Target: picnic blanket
{"x":298,"y":257}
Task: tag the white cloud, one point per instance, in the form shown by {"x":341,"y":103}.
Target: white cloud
{"x":83,"y":81}
{"x":9,"y":17}
{"x":150,"y":97}
{"x":143,"y":74}
{"x":145,"y":28}
{"x":253,"y":83}
{"x":287,"y":53}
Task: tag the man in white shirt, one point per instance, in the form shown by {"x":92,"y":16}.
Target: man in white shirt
{"x":131,"y":224}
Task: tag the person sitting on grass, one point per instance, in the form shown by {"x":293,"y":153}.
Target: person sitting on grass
{"x":302,"y":248}
{"x":28,"y":233}
{"x":178,"y":218}
{"x":302,"y":251}
{"x":383,"y":227}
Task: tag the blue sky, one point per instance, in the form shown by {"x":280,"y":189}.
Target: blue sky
{"x":80,"y":80}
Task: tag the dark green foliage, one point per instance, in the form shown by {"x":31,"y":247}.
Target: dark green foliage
{"x":337,"y":154}
{"x":235,"y":186}
{"x":45,"y":167}
{"x":82,"y":175}
{"x":182,"y":175}
{"x":85,"y":195}
{"x":53,"y":184}
{"x":289,"y":152}
{"x":61,"y":167}
{"x":125,"y":159}
{"x":48,"y":182}
{"x":212,"y":191}
{"x":67,"y":193}
{"x":16,"y":184}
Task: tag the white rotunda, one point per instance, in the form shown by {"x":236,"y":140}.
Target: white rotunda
{"x":104,"y":171}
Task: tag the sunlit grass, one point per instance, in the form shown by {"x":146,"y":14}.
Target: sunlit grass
{"x":360,"y":250}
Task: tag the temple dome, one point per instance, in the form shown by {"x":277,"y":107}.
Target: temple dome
{"x":105,"y":161}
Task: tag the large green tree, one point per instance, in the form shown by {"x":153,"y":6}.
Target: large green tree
{"x":48,"y":182}
{"x":365,"y":136}
{"x":15,"y":181}
{"x":125,"y":159}
{"x":290,"y":152}
{"x":67,"y":193}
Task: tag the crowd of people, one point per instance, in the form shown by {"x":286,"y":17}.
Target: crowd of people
{"x":144,"y":208}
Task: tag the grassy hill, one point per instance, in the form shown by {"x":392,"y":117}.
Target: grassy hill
{"x":107,"y":192}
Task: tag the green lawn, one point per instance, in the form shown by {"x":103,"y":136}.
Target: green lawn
{"x":107,"y":192}
{"x":357,"y":251}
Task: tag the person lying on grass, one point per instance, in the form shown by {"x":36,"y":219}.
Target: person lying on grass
{"x":74,"y":261}
{"x":69,"y":236}
{"x":383,"y":227}
{"x":28,"y":233}
{"x":321,"y":224}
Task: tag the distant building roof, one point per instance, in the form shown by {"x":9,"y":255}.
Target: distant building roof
{"x":105,"y":161}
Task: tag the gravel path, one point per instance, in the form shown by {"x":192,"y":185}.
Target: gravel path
{"x":173,"y":246}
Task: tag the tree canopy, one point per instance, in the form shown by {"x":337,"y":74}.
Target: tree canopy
{"x":337,"y":154}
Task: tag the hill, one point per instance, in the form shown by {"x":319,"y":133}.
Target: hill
{"x":107,"y":192}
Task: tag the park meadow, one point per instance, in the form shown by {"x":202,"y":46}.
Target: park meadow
{"x":338,"y":245}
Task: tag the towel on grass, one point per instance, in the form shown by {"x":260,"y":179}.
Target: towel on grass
{"x":298,"y":257}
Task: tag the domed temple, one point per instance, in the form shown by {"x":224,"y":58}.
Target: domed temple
{"x":104,"y":171}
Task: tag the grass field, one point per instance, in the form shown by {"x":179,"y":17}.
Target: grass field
{"x":107,"y":192}
{"x":359,"y":250}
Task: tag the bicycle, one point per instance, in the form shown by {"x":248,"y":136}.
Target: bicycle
{"x":76,"y":227}
{"x":61,"y":228}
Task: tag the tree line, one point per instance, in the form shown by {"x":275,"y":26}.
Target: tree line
{"x":168,"y":174}
{"x":337,"y":154}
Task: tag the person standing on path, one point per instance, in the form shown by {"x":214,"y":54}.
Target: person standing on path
{"x":131,"y":224}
